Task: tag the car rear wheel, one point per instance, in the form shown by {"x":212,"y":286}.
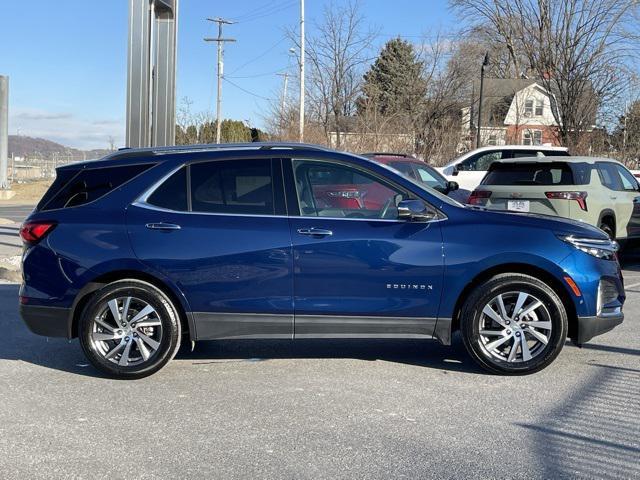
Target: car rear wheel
{"x":129,"y":329}
{"x":513,"y":324}
{"x":607,"y":228}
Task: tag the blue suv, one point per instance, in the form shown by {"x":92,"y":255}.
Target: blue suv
{"x":146,"y":249}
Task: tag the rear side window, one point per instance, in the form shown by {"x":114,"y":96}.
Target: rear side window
{"x":62,"y":178}
{"x":90,"y":184}
{"x":172,"y":194}
{"x":530,"y":174}
{"x":244,"y":187}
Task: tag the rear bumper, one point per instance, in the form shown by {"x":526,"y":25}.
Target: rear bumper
{"x":589,"y":327}
{"x":47,"y":321}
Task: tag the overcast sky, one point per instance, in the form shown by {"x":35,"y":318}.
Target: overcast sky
{"x":67,"y":59}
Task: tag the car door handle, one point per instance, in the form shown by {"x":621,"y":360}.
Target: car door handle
{"x":315,"y":232}
{"x":613,"y":198}
{"x":162,"y":226}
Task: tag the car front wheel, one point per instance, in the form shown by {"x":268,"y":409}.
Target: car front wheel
{"x":513,"y":324}
{"x":129,"y":329}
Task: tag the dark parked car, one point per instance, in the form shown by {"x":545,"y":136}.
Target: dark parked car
{"x":145,"y":249}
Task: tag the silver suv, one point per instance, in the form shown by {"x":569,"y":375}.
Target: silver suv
{"x":598,"y":191}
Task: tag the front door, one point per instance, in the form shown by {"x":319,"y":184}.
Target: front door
{"x":359,"y":271}
{"x":630,"y":196}
{"x":213,"y":229}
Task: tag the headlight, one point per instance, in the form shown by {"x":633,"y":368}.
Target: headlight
{"x":605,"y":249}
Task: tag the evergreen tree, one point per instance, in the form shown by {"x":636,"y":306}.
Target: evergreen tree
{"x":394,"y":84}
{"x":234,"y":131}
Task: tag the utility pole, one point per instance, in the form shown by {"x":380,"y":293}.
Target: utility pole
{"x":283,"y":105}
{"x":219,"y":40}
{"x":4,"y":131}
{"x":301,"y":127}
{"x":485,"y":62}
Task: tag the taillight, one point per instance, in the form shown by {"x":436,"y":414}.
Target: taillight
{"x":477,"y":197}
{"x":580,"y":197}
{"x":33,"y":232}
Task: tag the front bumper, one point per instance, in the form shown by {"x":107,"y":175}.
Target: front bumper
{"x":589,"y":327}
{"x":47,"y":321}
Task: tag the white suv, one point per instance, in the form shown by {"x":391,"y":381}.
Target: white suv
{"x":469,"y":169}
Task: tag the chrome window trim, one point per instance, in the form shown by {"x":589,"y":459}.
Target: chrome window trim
{"x":142,"y":202}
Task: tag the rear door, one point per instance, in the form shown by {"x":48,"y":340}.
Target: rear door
{"x":629,"y":199}
{"x":218,"y":230}
{"x":359,"y":271}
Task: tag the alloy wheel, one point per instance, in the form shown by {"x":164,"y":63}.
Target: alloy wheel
{"x":514,"y":327}
{"x":127,"y":331}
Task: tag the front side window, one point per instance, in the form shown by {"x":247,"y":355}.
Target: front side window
{"x":233,"y":186}
{"x":629,"y":182}
{"x":480,"y":162}
{"x":327,"y":189}
{"x":429,"y":178}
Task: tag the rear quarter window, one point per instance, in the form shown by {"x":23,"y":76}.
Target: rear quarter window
{"x":546,"y":174}
{"x":90,"y":184}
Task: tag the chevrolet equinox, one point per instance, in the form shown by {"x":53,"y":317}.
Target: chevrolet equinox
{"x":147,"y":248}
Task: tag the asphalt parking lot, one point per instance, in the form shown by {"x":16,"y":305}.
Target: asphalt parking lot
{"x":321,"y":409}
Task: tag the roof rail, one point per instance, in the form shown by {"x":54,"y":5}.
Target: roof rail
{"x":215,"y":146}
{"x":384,"y":154}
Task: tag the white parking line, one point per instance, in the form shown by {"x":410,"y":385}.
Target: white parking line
{"x":632,"y":285}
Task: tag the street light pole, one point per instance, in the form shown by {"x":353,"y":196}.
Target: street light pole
{"x":485,"y":62}
{"x":301,"y":126}
{"x":283,"y":105}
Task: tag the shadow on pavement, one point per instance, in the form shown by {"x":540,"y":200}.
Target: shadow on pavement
{"x":60,"y":354}
{"x":595,"y":433}
{"x":422,"y":353}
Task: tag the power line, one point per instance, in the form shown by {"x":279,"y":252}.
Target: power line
{"x":255,"y":75}
{"x":267,"y":10}
{"x":282,"y":39}
{"x":245,"y":90}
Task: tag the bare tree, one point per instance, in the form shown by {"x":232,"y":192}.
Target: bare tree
{"x":337,"y":53}
{"x":580,"y":50}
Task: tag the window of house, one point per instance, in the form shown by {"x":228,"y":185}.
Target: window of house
{"x":528,"y":107}
{"x":539,"y":107}
{"x":532,"y":137}
{"x":493,"y":140}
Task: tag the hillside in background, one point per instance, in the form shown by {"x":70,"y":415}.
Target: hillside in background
{"x":22,"y":146}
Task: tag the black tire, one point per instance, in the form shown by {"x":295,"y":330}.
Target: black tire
{"x":167,"y":336}
{"x":607,"y":228}
{"x":471,"y":317}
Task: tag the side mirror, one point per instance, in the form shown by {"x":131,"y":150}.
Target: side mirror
{"x":414,"y":210}
{"x":452,"y":186}
{"x":455,"y":171}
